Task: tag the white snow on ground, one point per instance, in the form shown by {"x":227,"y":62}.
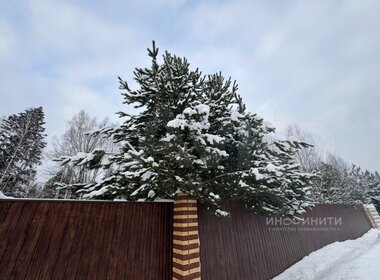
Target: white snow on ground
{"x":357,"y":259}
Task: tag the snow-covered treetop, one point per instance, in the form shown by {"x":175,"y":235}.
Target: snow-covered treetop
{"x":21,"y":143}
{"x":193,"y":134}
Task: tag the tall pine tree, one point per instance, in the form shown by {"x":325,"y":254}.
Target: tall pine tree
{"x":193,"y":134}
{"x":21,"y":143}
{"x":373,"y":179}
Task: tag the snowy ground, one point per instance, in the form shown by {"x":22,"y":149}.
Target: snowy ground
{"x":352,"y":259}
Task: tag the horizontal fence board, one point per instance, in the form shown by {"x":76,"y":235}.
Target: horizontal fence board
{"x":85,"y":240}
{"x":247,"y":246}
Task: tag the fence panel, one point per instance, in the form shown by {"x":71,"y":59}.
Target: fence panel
{"x":85,"y":240}
{"x":247,"y":246}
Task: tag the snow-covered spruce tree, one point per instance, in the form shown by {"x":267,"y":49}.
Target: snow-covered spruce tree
{"x":341,"y":183}
{"x":373,"y":179}
{"x":358,"y":184}
{"x":193,"y":134}
{"x":21,"y":144}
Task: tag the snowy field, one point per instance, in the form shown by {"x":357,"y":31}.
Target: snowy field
{"x":352,"y":259}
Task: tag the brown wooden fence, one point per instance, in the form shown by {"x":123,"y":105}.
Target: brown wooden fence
{"x":247,"y":246}
{"x":85,"y":240}
{"x":120,"y":240}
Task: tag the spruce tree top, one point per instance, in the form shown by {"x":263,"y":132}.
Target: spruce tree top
{"x":21,"y":144}
{"x":193,"y":134}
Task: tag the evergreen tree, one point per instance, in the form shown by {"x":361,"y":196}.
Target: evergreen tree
{"x":193,"y":134}
{"x":358,"y":184}
{"x":330,"y":186}
{"x":341,"y":183}
{"x":21,"y":144}
{"x":373,"y":179}
{"x":49,"y":189}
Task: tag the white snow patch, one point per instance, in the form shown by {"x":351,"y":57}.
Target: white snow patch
{"x":235,"y":115}
{"x":179,"y":179}
{"x":79,"y":156}
{"x":199,"y":162}
{"x":217,"y":151}
{"x":96,"y":193}
{"x":151,"y":193}
{"x":348,"y":260}
{"x":257,"y":174}
{"x":243,"y":184}
{"x":203,"y":109}
{"x":142,"y":188}
{"x":271,"y":168}
{"x":211,"y":138}
{"x":268,"y":125}
{"x":3,"y":196}
{"x":168,"y":137}
{"x":214,"y":196}
{"x":189,"y":111}
{"x":147,"y":175}
{"x":221,"y":213}
{"x":176,"y":123}
{"x":163,"y":200}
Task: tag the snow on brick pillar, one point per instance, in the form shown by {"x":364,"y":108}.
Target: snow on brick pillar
{"x":372,"y":215}
{"x":186,"y":260}
{"x":367,"y":214}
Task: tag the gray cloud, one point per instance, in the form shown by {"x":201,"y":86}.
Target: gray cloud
{"x":311,"y":63}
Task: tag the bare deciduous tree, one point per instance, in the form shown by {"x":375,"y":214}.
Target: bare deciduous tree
{"x":77,"y":140}
{"x":308,"y":158}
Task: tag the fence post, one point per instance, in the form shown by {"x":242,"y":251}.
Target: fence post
{"x":186,"y":257}
{"x":372,"y":215}
{"x":367,"y":214}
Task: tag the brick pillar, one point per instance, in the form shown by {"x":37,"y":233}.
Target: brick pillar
{"x":372,"y":215}
{"x":367,"y":215}
{"x":186,"y":258}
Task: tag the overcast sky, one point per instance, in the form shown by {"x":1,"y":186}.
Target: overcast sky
{"x":314,"y":63}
